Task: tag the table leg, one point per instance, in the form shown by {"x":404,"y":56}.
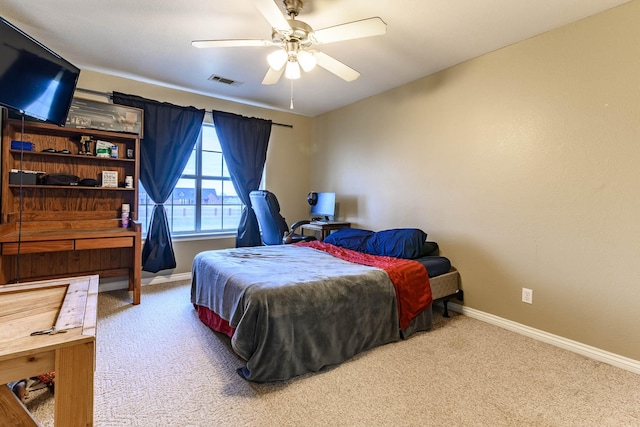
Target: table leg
{"x":74,"y":385}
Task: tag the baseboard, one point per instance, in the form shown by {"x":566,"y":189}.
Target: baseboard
{"x":558,"y":341}
{"x":124,"y":284}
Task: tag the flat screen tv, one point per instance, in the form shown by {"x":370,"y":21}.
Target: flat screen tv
{"x":34,"y":80}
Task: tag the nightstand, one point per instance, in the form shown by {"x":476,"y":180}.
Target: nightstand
{"x":325,"y":227}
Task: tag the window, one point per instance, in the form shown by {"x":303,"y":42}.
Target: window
{"x":204,"y":200}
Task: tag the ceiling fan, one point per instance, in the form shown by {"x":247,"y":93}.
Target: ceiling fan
{"x":296,"y":41}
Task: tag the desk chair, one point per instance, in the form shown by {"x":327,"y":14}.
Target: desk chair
{"x":273,"y":227}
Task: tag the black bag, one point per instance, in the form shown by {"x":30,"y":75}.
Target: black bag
{"x":60,"y":179}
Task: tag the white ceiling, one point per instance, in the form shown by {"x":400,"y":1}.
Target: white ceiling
{"x":150,"y":40}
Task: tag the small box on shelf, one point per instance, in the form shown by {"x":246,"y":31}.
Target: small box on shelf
{"x":17,"y":177}
{"x":103,"y":148}
{"x":22,"y":145}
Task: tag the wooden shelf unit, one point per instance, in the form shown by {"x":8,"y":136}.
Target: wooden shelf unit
{"x":51,"y":231}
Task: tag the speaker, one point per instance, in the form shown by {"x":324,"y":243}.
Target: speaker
{"x":312,"y":198}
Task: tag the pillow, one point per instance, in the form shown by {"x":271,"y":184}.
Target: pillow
{"x":398,"y":242}
{"x":429,"y":249}
{"x":350,"y":238}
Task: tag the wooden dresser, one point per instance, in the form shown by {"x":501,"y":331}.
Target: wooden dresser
{"x":53,"y":231}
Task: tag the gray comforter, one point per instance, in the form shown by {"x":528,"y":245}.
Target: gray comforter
{"x":295,"y":309}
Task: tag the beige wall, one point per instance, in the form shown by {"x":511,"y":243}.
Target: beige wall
{"x":524,"y":165}
{"x":288,"y":160}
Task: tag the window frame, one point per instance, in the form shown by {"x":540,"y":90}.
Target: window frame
{"x":199,"y":177}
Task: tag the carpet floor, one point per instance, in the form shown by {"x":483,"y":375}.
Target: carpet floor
{"x":158,"y":365}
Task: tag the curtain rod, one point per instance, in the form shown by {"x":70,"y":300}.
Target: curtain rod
{"x":110,"y":94}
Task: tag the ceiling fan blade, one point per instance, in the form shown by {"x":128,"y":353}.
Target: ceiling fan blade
{"x":351,"y":30}
{"x":272,"y":14}
{"x":273,"y":76}
{"x":336,"y":67}
{"x":231,"y":43}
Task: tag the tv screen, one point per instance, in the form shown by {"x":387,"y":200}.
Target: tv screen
{"x":34,"y":80}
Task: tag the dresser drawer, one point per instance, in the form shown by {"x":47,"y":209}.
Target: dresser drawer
{"x":104,"y":243}
{"x":35,"y":247}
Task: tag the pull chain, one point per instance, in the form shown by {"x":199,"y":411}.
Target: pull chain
{"x":291,"y":104}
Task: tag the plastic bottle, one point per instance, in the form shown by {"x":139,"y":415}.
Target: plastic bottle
{"x":125,"y":215}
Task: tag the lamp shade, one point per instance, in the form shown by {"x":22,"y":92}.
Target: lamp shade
{"x":306,"y":60}
{"x":277,"y":59}
{"x":292,"y":71}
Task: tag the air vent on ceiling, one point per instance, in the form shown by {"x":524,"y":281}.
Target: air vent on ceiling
{"x":224,"y":80}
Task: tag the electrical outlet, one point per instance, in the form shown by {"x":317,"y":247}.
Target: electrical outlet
{"x":527,"y":295}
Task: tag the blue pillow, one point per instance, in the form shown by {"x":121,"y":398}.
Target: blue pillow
{"x":398,"y":242}
{"x":350,"y":238}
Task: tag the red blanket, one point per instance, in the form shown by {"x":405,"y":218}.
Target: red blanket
{"x":409,"y":278}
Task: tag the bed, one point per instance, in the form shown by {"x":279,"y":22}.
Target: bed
{"x":295,"y":309}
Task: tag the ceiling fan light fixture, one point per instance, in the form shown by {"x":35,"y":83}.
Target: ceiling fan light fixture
{"x":277,"y":59}
{"x":307,"y":60}
{"x":295,"y":41}
{"x":292,"y":71}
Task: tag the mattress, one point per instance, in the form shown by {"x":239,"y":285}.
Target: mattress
{"x":435,"y":265}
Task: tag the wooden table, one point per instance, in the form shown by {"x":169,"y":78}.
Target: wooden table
{"x":69,"y":304}
{"x":325,"y":228}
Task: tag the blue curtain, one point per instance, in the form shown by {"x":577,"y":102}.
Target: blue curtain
{"x":244,"y":142}
{"x":170,"y":132}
